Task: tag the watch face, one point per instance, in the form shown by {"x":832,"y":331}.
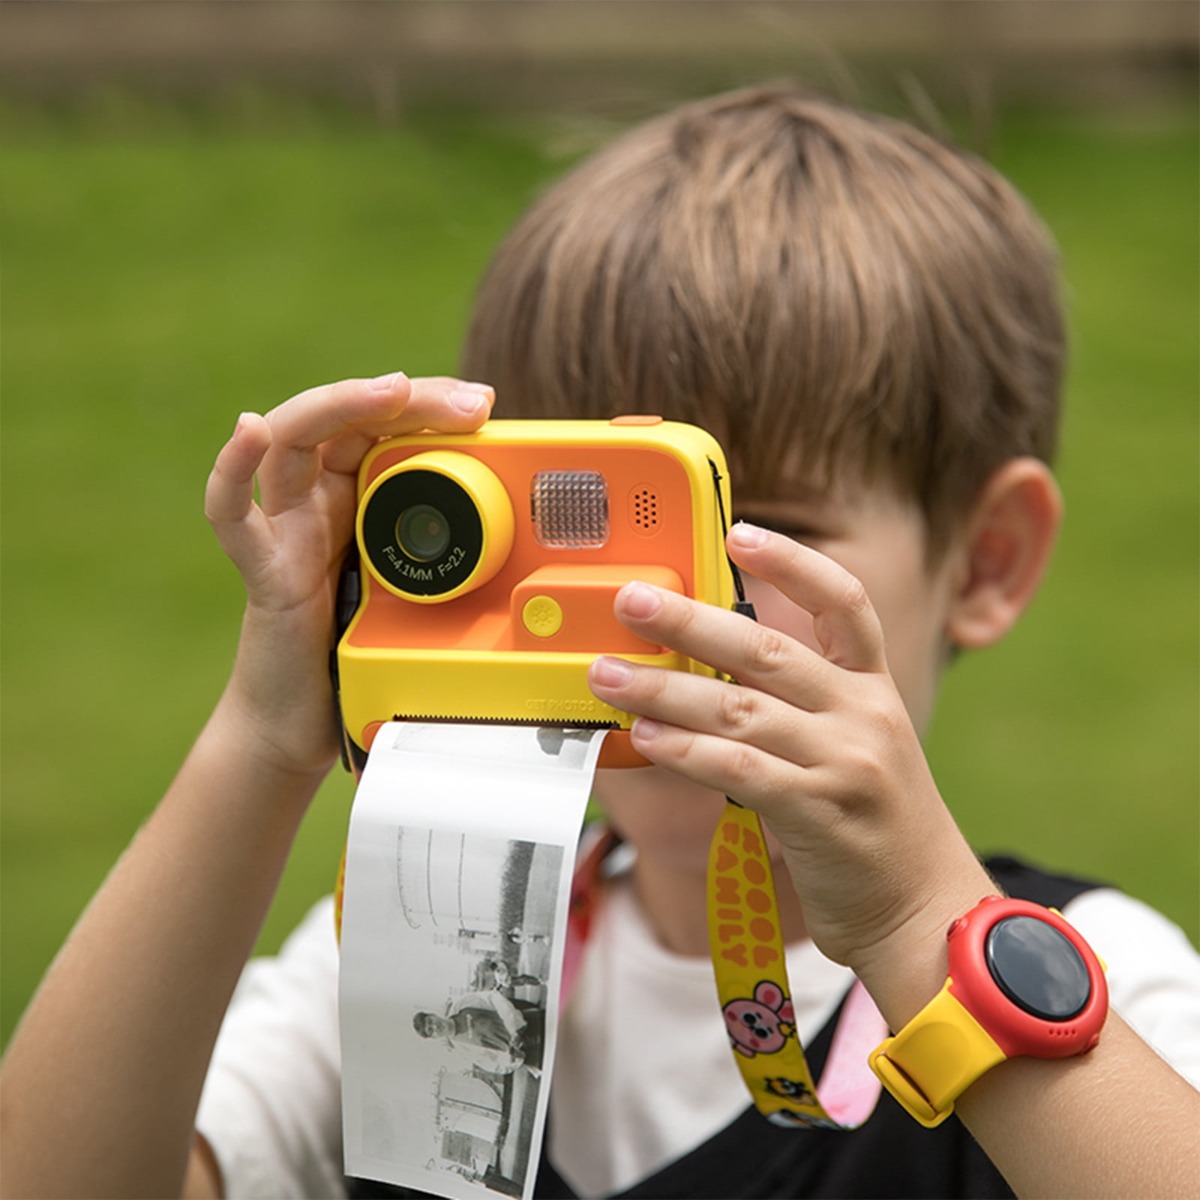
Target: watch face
{"x":1037,"y":968}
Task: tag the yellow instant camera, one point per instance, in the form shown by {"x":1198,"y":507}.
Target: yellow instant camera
{"x":487,"y":564}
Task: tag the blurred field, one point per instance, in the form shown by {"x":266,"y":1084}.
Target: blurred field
{"x":166,"y":269}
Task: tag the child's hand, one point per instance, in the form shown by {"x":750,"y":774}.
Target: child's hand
{"x":818,"y":742}
{"x":289,"y":546}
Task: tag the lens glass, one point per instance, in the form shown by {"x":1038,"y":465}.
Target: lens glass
{"x":423,"y":532}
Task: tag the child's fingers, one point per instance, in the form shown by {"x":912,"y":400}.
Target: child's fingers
{"x":302,"y":423}
{"x":752,"y":776}
{"x":350,"y":414}
{"x":443,"y":405}
{"x":751,"y":653}
{"x":747,"y":774}
{"x":708,"y":706}
{"x":438,"y":403}
{"x":313,"y":416}
{"x":844,"y":620}
{"x":229,"y":495}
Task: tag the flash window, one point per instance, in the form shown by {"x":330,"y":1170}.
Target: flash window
{"x":570,"y":510}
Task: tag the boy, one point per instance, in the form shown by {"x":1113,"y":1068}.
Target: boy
{"x":867,"y":320}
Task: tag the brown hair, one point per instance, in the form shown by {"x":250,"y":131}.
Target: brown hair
{"x":825,"y":290}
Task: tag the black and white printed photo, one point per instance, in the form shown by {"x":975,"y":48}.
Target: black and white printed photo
{"x":458,"y":876}
{"x":492,"y":901}
{"x":478,"y":923}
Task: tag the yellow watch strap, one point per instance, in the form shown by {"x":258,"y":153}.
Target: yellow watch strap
{"x":935,"y":1058}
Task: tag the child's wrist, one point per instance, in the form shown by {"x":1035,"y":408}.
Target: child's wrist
{"x":245,"y":737}
{"x":905,"y":969}
{"x":280,"y":692}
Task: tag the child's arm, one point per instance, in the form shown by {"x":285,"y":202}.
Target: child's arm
{"x":101,"y":1081}
{"x":819,"y":742}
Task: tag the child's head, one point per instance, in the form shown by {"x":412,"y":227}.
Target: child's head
{"x":430,"y":1025}
{"x":834,"y":295}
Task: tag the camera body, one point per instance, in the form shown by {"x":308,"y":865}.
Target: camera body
{"x":487,"y":564}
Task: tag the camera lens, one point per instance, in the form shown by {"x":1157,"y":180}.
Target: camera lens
{"x":423,"y":532}
{"x":435,"y":526}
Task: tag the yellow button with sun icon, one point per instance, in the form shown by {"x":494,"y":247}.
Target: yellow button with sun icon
{"x":542,"y":616}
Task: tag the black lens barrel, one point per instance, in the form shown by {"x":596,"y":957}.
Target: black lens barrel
{"x":415,"y":560}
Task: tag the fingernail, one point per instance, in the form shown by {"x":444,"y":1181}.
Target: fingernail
{"x":748,"y":536}
{"x":640,"y":600}
{"x":241,"y":424}
{"x":468,"y":401}
{"x":611,"y":672}
{"x":485,"y":389}
{"x":385,"y":383}
{"x":645,"y":729}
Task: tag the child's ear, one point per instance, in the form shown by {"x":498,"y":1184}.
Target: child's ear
{"x":1004,"y":550}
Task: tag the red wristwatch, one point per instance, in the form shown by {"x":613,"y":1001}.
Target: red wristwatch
{"x":1021,"y":981}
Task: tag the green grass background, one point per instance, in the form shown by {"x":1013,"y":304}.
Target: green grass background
{"x":166,"y":268}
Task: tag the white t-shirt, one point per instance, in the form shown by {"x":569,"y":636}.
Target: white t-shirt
{"x":641,"y":1056}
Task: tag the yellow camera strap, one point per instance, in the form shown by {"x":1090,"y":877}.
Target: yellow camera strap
{"x":756,"y":998}
{"x":746,"y":940}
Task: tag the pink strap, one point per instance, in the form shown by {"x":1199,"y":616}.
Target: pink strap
{"x":849,"y":1089}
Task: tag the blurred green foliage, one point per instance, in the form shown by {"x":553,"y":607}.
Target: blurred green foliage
{"x":164,"y":273}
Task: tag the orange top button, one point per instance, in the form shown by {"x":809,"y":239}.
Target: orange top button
{"x":637,"y":419}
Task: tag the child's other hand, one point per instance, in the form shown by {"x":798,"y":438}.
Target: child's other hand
{"x":819,"y":742}
{"x":289,"y":545}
